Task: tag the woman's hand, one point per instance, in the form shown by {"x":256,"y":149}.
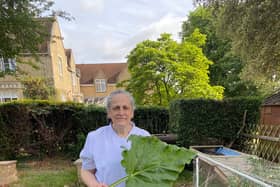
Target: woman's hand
{"x":101,"y":185}
{"x":88,"y":177}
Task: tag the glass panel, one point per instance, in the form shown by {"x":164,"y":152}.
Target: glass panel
{"x":2,"y":68}
{"x":100,"y":85}
{"x":7,"y":64}
{"x":12,"y":64}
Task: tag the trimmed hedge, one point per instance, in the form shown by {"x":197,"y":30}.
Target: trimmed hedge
{"x":155,"y":119}
{"x":46,"y":128}
{"x":205,"y":122}
{"x":36,"y":128}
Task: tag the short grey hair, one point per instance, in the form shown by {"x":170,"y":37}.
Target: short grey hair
{"x":116,"y":92}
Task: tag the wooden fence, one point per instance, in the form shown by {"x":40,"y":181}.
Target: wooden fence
{"x":263,"y":141}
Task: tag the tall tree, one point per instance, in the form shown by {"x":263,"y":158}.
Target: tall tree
{"x":163,"y":70}
{"x":19,"y":30}
{"x":254,"y":28}
{"x":226,"y":69}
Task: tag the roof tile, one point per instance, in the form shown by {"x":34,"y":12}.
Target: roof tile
{"x":111,"y":72}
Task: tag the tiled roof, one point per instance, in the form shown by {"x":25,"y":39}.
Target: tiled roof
{"x":110,"y":71}
{"x":273,"y":99}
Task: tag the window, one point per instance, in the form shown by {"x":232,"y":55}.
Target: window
{"x":7,"y":64}
{"x":8,"y":94}
{"x":59,"y":66}
{"x":73,"y":79}
{"x":100,"y":85}
{"x":7,"y":99}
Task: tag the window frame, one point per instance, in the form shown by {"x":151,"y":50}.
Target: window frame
{"x":7,"y":64}
{"x":100,"y":85}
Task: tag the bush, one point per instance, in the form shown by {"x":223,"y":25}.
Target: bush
{"x":39,"y":128}
{"x":90,"y":118}
{"x":15,"y":128}
{"x":154,"y":119}
{"x":87,"y":119}
{"x":35,"y":127}
{"x":200,"y":121}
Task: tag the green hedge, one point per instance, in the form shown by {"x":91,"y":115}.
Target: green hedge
{"x":200,"y":122}
{"x":36,"y":127}
{"x":152,"y":118}
{"x":46,"y":128}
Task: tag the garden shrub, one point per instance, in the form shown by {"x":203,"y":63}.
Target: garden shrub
{"x":90,"y":118}
{"x":35,"y":127}
{"x":155,"y":119}
{"x":87,"y":119}
{"x":199,"y":121}
{"x":15,"y":129}
{"x":39,"y":128}
{"x":48,"y":128}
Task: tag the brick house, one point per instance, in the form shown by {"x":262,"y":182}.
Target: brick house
{"x":56,"y":64}
{"x":98,"y":80}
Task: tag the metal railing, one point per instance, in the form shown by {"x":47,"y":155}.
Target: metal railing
{"x":205,"y":158}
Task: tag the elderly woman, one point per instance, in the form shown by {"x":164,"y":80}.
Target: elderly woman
{"x":101,"y":155}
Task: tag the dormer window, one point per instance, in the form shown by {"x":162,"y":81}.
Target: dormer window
{"x":7,"y":64}
{"x":100,"y":85}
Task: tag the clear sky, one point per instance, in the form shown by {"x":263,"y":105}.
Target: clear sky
{"x":107,"y":30}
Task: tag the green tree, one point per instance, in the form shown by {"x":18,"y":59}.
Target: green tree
{"x":37,"y":88}
{"x":163,"y":70}
{"x":226,"y":69}
{"x":19,"y":30}
{"x":254,"y":29}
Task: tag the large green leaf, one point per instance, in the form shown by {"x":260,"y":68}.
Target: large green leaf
{"x":153,"y":163}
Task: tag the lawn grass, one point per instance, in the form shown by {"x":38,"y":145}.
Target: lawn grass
{"x":56,"y":172}
{"x":60,"y":172}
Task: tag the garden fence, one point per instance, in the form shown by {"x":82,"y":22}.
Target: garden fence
{"x":263,"y":141}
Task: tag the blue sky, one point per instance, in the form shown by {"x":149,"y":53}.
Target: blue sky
{"x":107,"y":30}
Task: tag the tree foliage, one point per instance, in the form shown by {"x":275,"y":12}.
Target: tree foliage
{"x":226,"y":67}
{"x":20,"y":32}
{"x":18,"y":29}
{"x":254,"y":28}
{"x":162,"y":70}
{"x":37,"y":88}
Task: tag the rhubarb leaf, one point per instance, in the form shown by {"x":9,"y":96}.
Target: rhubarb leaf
{"x":153,"y":163}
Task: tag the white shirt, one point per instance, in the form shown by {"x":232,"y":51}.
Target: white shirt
{"x":102,"y":151}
